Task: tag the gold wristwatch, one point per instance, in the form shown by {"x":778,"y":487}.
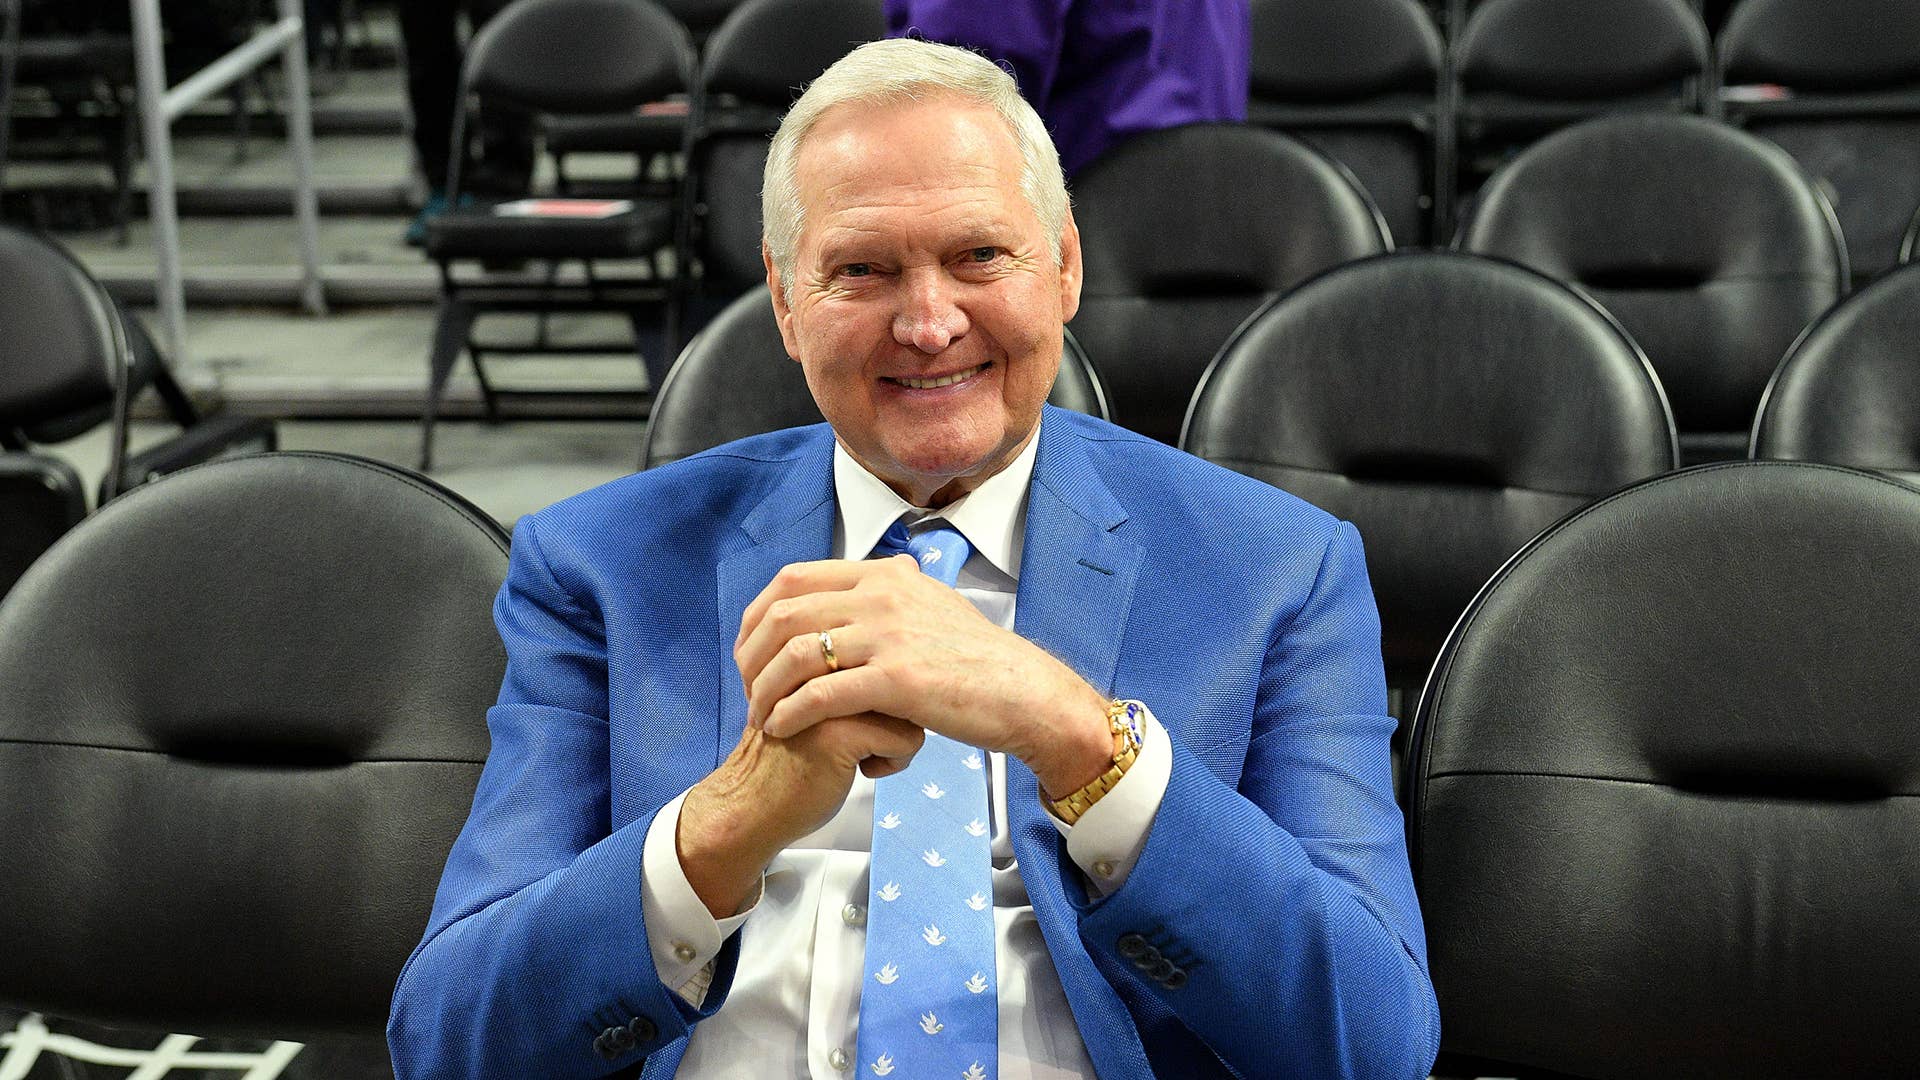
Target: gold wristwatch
{"x":1123,"y":718}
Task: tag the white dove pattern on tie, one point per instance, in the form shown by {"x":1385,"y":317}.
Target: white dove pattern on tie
{"x":887,"y":975}
{"x":926,"y":859}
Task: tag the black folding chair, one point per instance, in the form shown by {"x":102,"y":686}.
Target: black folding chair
{"x":70,"y":361}
{"x":559,"y":58}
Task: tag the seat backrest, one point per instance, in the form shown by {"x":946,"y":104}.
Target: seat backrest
{"x":1823,"y":46}
{"x":1664,"y":818}
{"x":1185,"y":232}
{"x":1553,"y":50}
{"x":62,"y":350}
{"x":1849,"y":392}
{"x":1851,"y":111}
{"x":1449,"y":406}
{"x":1360,"y":81}
{"x":734,"y":379}
{"x":243,"y":721}
{"x":1707,"y":243}
{"x":576,"y":57}
{"x":40,"y":499}
{"x":1326,"y":52}
{"x":757,"y":62}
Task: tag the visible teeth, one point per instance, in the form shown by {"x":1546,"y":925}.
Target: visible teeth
{"x":929,"y":384}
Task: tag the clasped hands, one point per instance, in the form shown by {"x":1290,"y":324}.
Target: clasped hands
{"x":914,"y":656}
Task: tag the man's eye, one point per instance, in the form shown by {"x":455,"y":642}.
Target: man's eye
{"x":856,"y":270}
{"x":983,"y":254}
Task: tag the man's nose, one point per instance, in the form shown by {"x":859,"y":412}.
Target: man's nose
{"x":930,"y":317}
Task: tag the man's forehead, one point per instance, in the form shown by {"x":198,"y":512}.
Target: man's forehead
{"x":862,"y":136}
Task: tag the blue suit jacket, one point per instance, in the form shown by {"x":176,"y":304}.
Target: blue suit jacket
{"x":1275,"y":874}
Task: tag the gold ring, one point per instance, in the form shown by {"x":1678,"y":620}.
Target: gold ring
{"x":826,"y":650}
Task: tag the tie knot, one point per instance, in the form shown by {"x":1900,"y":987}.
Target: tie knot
{"x":940,"y":551}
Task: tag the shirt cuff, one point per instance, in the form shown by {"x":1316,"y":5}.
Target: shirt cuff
{"x":683,"y":934}
{"x":1109,"y":837}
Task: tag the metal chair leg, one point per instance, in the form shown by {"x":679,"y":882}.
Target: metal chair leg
{"x":489,"y":401}
{"x":650,"y":342}
{"x":449,"y":339}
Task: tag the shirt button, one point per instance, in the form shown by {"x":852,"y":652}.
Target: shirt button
{"x":1103,"y":868}
{"x":683,"y":952}
{"x":839,"y":1059}
{"x":853,"y":915}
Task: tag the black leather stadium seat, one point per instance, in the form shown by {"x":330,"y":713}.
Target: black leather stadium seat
{"x":756,"y":64}
{"x":1666,"y":789}
{"x":1838,"y":85}
{"x":1360,"y":80}
{"x":1849,"y":392}
{"x":1707,"y":243}
{"x":71,"y":361}
{"x":1186,"y":232}
{"x":1450,"y":406}
{"x":243,"y":720}
{"x":40,"y":499}
{"x":1526,"y":67}
{"x":735,"y":379}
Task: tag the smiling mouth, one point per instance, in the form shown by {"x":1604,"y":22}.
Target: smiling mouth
{"x":944,"y":380}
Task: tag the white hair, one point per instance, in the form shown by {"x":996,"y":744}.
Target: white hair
{"x":900,"y":70}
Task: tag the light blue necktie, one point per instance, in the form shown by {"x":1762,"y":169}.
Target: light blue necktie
{"x":929,"y":1007}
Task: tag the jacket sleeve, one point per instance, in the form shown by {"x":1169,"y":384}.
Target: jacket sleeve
{"x":1276,"y":917}
{"x":536,"y":949}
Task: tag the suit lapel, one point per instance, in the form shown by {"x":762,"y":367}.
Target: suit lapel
{"x":792,"y":524}
{"x":1077,"y":575}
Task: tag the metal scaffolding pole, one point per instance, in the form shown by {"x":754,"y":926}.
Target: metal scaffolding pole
{"x":160,"y":107}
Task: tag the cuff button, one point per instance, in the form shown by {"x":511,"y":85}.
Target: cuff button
{"x":1132,"y":945}
{"x":642,"y":1029}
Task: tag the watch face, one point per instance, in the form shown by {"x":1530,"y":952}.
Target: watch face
{"x":1130,"y":720}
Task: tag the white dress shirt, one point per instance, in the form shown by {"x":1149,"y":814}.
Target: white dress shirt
{"x":794,"y":1009}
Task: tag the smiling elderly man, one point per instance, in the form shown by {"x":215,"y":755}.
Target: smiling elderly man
{"x":1092,"y":781}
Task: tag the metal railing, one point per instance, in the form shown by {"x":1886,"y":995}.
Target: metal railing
{"x":160,"y":107}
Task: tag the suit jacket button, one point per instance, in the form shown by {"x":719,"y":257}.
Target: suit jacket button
{"x":604,"y":1048}
{"x":620,"y":1039}
{"x":1160,"y":969}
{"x":1148,"y":959}
{"x":1132,"y":945}
{"x":643,"y":1029}
{"x":1176,"y":980}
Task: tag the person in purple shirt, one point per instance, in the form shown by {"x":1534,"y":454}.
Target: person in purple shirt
{"x":1102,"y":71}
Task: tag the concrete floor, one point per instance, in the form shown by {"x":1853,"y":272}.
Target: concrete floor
{"x":507,"y":469}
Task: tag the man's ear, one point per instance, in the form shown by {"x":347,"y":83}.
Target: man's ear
{"x":782,"y":312}
{"x":1071,"y":269}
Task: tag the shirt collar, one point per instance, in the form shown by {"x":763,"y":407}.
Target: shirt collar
{"x":992,"y":517}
